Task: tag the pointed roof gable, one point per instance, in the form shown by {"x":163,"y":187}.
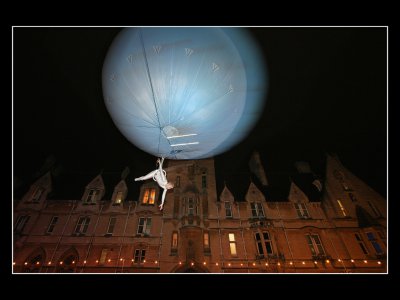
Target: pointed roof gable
{"x":296,"y":194}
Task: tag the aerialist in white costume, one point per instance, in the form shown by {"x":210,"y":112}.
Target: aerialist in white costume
{"x":160,"y":176}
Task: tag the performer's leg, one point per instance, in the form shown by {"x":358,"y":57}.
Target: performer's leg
{"x":148,"y":176}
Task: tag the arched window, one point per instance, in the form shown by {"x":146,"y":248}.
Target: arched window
{"x":35,"y":261}
{"x":68,"y":262}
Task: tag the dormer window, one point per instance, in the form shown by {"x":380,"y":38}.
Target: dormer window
{"x":119,"y":197}
{"x":256,"y":210}
{"x":92,"y":195}
{"x":149,"y":196}
{"x":228,"y":209}
{"x":301,"y":210}
{"x":36,"y":195}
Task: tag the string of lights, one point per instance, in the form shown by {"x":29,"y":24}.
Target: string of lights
{"x":229,"y":264}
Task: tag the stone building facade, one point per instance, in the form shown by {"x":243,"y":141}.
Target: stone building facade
{"x":333,"y":225}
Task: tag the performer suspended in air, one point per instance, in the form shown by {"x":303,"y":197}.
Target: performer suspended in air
{"x":160,"y":176}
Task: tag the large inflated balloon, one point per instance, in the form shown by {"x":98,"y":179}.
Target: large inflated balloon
{"x":184,"y":93}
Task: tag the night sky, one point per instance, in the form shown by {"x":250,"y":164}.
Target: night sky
{"x":327,"y":93}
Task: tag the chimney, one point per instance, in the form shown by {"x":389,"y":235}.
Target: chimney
{"x":302,"y":167}
{"x":257,"y":168}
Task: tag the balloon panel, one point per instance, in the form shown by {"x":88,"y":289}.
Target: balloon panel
{"x":184,"y":93}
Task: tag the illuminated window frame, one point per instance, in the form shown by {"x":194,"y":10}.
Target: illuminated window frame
{"x":232,"y":244}
{"x":342,"y":209}
{"x":149,"y":196}
{"x":119,"y":197}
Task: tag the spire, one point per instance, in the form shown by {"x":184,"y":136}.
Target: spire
{"x":125,"y":173}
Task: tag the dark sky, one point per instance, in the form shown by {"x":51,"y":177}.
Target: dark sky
{"x":327,"y":93}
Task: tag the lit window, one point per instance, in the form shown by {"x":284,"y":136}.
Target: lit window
{"x":375,"y":244}
{"x":140,"y":255}
{"x":228,"y":209}
{"x":361,"y":243}
{"x":37,"y":194}
{"x":301,"y":210}
{"x":373,"y":208}
{"x":232,"y":244}
{"x":174,"y":242}
{"x":21,"y":222}
{"x":119,"y":197}
{"x":256,"y":210}
{"x":111,"y":225}
{"x":315,"y":244}
{"x":92,"y":195}
{"x":103,"y":256}
{"x":342,"y":208}
{"x":144,"y":226}
{"x":178,"y":181}
{"x":149,"y":196}
{"x":52,"y":224}
{"x":206,"y":241}
{"x":82,"y":225}
{"x":203,"y":181}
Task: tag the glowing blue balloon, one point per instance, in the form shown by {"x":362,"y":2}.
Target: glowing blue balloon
{"x":184,"y":93}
